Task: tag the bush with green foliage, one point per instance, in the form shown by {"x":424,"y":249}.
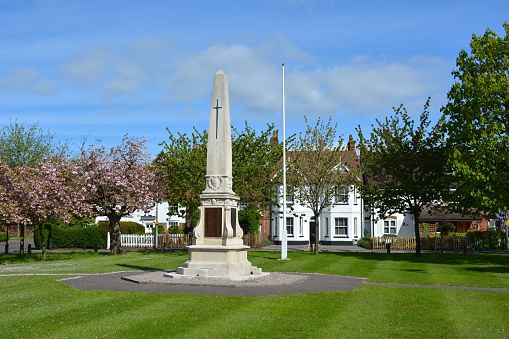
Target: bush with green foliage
{"x":70,"y":237}
{"x":249,"y":220}
{"x":365,"y":242}
{"x":126,"y":227}
{"x":175,"y":230}
{"x":160,"y":229}
{"x":447,"y":228}
{"x":3,"y":236}
{"x":486,"y":240}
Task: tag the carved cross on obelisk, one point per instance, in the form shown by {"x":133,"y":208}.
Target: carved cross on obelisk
{"x":217,"y":107}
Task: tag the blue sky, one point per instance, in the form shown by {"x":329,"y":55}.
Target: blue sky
{"x":105,"y":68}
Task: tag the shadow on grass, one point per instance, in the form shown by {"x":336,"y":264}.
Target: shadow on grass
{"x":497,"y":269}
{"x":36,"y":257}
{"x":139,"y":268}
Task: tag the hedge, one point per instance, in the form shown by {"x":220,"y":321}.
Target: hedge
{"x":88,"y":237}
{"x":486,"y":240}
{"x":126,"y":227}
{"x":3,"y":236}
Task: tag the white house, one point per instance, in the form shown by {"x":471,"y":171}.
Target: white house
{"x":340,"y":224}
{"x":401,"y":225}
{"x":162,"y":213}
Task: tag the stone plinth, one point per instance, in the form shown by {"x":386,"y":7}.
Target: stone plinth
{"x":218,"y":261}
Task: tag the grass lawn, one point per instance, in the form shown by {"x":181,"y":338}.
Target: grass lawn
{"x":41,"y":307}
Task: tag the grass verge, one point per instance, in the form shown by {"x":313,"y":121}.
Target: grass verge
{"x":40,"y":306}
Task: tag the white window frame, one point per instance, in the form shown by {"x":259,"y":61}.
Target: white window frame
{"x":341,"y":227}
{"x":290,"y":195}
{"x":290,"y":224}
{"x":390,"y":226}
{"x":173,"y":210}
{"x":341,"y":194}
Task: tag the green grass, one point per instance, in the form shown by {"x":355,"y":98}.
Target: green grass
{"x":42,"y":307}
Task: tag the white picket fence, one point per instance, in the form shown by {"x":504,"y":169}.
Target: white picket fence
{"x":137,"y":240}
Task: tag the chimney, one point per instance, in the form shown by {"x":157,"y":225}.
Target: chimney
{"x":351,"y":143}
{"x":275,"y":139}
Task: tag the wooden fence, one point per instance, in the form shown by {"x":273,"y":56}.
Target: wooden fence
{"x":178,"y":241}
{"x":427,"y":243}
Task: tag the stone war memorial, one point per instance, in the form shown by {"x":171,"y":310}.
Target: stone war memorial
{"x":218,"y":250}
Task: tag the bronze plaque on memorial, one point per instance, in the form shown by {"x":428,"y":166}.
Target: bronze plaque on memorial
{"x":213,"y":222}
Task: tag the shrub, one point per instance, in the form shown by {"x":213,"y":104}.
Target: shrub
{"x":249,"y":220}
{"x":69,"y":237}
{"x":3,"y":236}
{"x":160,"y":229}
{"x":365,"y":242}
{"x":175,"y":230}
{"x":126,"y":227}
{"x":447,"y":228}
{"x":486,"y":240}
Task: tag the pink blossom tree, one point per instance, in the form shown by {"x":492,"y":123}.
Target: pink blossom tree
{"x":43,"y":193}
{"x":7,"y":204}
{"x":117,"y":182}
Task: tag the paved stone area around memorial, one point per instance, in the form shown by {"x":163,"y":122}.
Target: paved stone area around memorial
{"x":277,"y":284}
{"x":273,"y":284}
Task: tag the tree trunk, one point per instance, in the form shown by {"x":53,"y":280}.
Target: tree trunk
{"x":7,"y":239}
{"x":115,"y":242}
{"x":317,"y":233}
{"x":311,"y":243}
{"x":506,"y":238}
{"x":43,"y":245}
{"x":417,"y":235}
{"x":22,"y":229}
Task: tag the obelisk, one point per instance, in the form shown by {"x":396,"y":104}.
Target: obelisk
{"x":218,"y":249}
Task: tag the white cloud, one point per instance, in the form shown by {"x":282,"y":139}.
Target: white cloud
{"x":146,"y":70}
{"x":27,"y":79}
{"x":44,"y":87}
{"x":91,"y":66}
{"x":19,"y":79}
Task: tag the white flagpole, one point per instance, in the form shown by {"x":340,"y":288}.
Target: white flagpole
{"x":284,"y":242}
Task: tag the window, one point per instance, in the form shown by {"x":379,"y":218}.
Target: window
{"x":289,"y":194}
{"x":327,"y":227}
{"x":389,"y":226}
{"x":341,"y":227}
{"x":173,"y":209}
{"x":301,"y":226}
{"x":173,"y":223}
{"x":341,"y":195}
{"x":276,"y":230}
{"x":289,"y":226}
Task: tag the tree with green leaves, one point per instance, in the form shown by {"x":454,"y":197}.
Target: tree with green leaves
{"x":404,"y":165}
{"x":183,"y":163}
{"x":27,"y":144}
{"x":256,"y":157}
{"x":312,"y":177}
{"x":477,"y":124}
